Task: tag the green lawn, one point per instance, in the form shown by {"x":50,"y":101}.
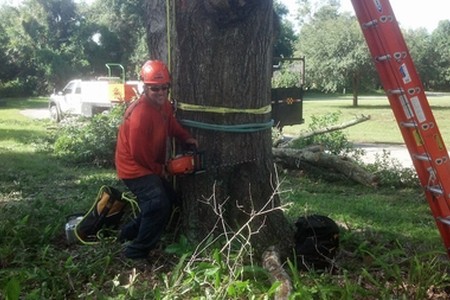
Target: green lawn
{"x":382,"y":127}
{"x":390,"y":247}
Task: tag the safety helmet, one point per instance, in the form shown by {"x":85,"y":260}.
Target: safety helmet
{"x":155,"y":72}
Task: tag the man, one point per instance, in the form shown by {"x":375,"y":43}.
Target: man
{"x":141,"y":153}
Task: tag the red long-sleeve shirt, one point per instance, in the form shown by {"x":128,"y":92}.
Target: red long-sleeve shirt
{"x":143,"y":138}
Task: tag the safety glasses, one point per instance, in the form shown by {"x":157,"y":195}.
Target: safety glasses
{"x":158,"y":88}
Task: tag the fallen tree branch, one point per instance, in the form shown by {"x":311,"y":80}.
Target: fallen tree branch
{"x":293,"y":158}
{"x":327,"y":129}
{"x":271,"y":262}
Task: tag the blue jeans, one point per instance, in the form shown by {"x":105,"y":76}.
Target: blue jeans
{"x":155,"y":197}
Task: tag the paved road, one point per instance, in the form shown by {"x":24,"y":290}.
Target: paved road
{"x":398,"y":152}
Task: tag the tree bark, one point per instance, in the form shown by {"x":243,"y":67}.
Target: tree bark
{"x":356,"y":84}
{"x":157,"y":40}
{"x":272,"y":263}
{"x":221,"y":56}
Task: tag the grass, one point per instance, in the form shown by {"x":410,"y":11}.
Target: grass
{"x":382,"y":127}
{"x":390,"y":247}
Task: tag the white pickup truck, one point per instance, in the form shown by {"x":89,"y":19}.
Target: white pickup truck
{"x":86,"y":98}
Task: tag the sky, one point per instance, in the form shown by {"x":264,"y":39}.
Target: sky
{"x":410,"y":14}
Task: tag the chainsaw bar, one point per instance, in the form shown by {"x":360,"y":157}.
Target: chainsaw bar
{"x":199,"y":162}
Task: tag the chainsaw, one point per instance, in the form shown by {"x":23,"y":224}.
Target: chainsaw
{"x":191,"y":162}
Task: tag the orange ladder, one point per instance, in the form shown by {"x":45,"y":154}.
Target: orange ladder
{"x":409,"y":103}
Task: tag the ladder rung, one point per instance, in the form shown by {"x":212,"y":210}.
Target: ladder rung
{"x":372,"y":23}
{"x":435,"y":189}
{"x":388,"y":50}
{"x":397,"y":92}
{"x":445,"y":220}
{"x":423,"y":157}
{"x":408,"y":124}
{"x":383,"y":57}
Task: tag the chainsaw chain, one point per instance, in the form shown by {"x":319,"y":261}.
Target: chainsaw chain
{"x":212,"y":161}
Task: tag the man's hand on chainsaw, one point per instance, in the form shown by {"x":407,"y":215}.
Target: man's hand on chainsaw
{"x":188,"y":162}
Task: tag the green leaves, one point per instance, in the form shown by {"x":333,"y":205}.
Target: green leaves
{"x":44,"y":44}
{"x":12,"y":289}
{"x":89,"y":141}
{"x":334,"y":48}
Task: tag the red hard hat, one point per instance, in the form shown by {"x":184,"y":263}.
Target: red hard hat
{"x":155,"y":72}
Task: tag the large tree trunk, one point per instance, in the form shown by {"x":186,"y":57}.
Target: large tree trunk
{"x":157,"y":41}
{"x":222,"y":57}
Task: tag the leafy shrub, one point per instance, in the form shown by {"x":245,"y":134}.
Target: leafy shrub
{"x":391,"y":172}
{"x":335,"y":142}
{"x":288,"y":76}
{"x":89,"y":141}
{"x":14,"y":88}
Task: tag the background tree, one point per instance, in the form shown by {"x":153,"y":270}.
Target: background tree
{"x":222,"y":57}
{"x":287,"y":73}
{"x":19,"y":58}
{"x":284,"y":31}
{"x":9,"y":59}
{"x":308,"y":8}
{"x":423,"y":54}
{"x":117,"y":31}
{"x":63,"y":48}
{"x":43,"y":43}
{"x":440,"y":41}
{"x":336,"y":53}
{"x":46,"y":43}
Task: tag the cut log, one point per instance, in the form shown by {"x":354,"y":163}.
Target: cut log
{"x":293,"y":158}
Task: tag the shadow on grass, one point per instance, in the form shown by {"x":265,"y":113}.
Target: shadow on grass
{"x":359,"y":107}
{"x":37,"y":194}
{"x":387,"y":107}
{"x":374,"y":216}
{"x":22,"y":136}
{"x":32,"y":173}
{"x":442,"y":108}
{"x":23,"y":103}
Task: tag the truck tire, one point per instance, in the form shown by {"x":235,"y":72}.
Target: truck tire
{"x":55,"y":114}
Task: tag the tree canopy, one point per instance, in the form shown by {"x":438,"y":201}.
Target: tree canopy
{"x":337,"y":57}
{"x":43,"y":44}
{"x":335,"y":50}
{"x":47,"y":43}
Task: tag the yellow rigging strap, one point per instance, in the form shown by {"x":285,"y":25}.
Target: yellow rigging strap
{"x":223,"y":110}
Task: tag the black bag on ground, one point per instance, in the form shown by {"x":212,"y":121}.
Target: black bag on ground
{"x":106,"y":213}
{"x":316,"y":242}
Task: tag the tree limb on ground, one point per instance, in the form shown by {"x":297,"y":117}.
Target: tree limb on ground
{"x":359,"y":119}
{"x":272,"y":263}
{"x":293,"y":158}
